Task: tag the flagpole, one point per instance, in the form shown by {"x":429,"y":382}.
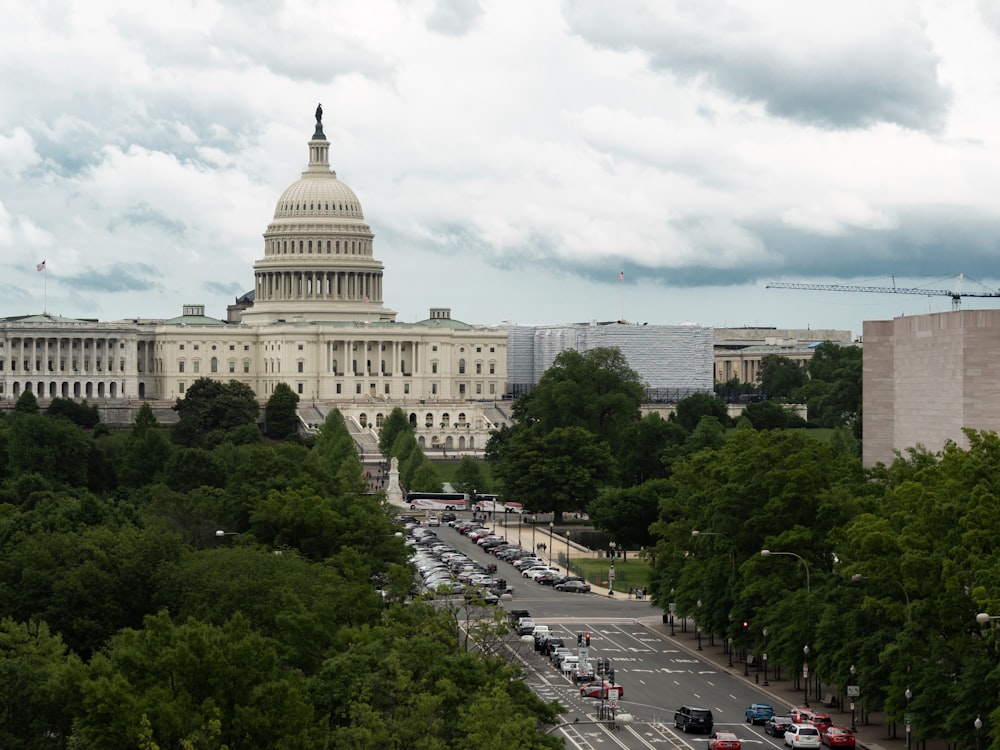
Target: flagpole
{"x":45,"y":289}
{"x":621,"y":278}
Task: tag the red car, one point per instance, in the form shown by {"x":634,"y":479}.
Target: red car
{"x":599,"y":689}
{"x":822,"y":722}
{"x":801,"y":715}
{"x":838,"y":737}
{"x":724,"y":741}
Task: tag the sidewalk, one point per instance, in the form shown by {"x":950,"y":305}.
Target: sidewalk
{"x":874,"y":734}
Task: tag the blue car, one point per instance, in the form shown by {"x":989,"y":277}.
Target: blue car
{"x":759,"y":713}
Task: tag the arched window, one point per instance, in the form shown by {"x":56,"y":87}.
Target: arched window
{"x":445,"y":420}
{"x":215,"y":364}
{"x":429,"y":420}
{"x":461,"y":367}
{"x":363,"y":420}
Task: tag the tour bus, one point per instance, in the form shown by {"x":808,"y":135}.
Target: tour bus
{"x":437,"y":500}
{"x":492,"y":503}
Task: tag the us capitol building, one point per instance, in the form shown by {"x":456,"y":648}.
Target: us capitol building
{"x":314,"y":320}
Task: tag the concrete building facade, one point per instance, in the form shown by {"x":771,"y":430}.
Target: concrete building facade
{"x":926,"y":377}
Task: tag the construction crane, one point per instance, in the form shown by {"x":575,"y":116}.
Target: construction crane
{"x":956,"y":294}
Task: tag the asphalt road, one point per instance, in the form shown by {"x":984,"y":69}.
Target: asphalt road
{"x":658,"y":673}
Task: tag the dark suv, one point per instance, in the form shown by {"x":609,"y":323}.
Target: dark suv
{"x":692,"y":719}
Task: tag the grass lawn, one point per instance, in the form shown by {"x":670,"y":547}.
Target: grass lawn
{"x":633,"y":572}
{"x":446,"y":471}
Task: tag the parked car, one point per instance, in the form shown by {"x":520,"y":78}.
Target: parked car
{"x":599,"y":689}
{"x":759,"y":713}
{"x":802,"y":735}
{"x":801,"y":715}
{"x":577,"y":587}
{"x":822,"y":722}
{"x":515,"y":616}
{"x":569,"y":664}
{"x":693,"y":719}
{"x":449,"y":517}
{"x":433,"y":521}
{"x":724,"y":741}
{"x":838,"y":737}
{"x":776,"y":726}
{"x":526,"y":626}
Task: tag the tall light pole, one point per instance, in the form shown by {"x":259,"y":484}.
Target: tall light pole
{"x":854,"y":725}
{"x":805,"y":674}
{"x":907,"y":718}
{"x":567,"y":553}
{"x":978,"y":724}
{"x":534,"y":518}
{"x":549,"y":545}
{"x":764,"y":657}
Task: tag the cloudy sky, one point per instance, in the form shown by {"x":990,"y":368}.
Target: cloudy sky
{"x":512,"y":156}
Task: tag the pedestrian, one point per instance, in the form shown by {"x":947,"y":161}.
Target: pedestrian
{"x":630,"y":590}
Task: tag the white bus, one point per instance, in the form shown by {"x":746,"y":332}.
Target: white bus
{"x":437,"y":501}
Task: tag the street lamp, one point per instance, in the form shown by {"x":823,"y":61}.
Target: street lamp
{"x":671,"y":605}
{"x":534,"y":518}
{"x":978,"y":724}
{"x":805,"y":674}
{"x":854,"y":725}
{"x":549,"y":545}
{"x":984,"y":617}
{"x":906,"y":717}
{"x":768,"y":553}
{"x":697,"y":625}
{"x":567,"y":554}
{"x":764,"y":657}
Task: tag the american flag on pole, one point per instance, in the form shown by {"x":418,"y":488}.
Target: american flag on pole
{"x":621,"y":276}
{"x":40,"y":266}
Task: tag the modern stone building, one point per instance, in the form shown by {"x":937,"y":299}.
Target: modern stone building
{"x":925,"y":377}
{"x":314,"y":320}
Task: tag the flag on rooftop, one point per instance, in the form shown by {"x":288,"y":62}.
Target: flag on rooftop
{"x":40,"y":266}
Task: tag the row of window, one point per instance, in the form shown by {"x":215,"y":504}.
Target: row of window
{"x":286,"y":247}
{"x":74,"y":364}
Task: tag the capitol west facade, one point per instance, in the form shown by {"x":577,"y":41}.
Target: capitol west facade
{"x":315,"y":321}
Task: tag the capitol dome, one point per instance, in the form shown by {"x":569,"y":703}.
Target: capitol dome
{"x":318,"y":195}
{"x":318,"y":263}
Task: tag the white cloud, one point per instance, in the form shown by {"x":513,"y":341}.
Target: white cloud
{"x":539,"y":146}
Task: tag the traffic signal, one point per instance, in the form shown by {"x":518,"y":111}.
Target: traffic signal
{"x":579,"y":639}
{"x":588,"y":638}
{"x":611,"y":677}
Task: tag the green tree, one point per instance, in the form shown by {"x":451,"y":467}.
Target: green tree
{"x":833,"y":393}
{"x":469,"y":476}
{"x":146,"y":451}
{"x":595,"y":390}
{"x":210,"y":405}
{"x":770,"y":415}
{"x":80,"y":414}
{"x":26,"y":404}
{"x":197,"y":686}
{"x":393,"y":425}
{"x":691,"y":409}
{"x":780,"y":376}
{"x":559,"y":471}
{"x":425,"y":478}
{"x":647,"y":442}
{"x":627,"y":514}
{"x":281,"y":412}
{"x":54,"y":448}
{"x":31,"y":662}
